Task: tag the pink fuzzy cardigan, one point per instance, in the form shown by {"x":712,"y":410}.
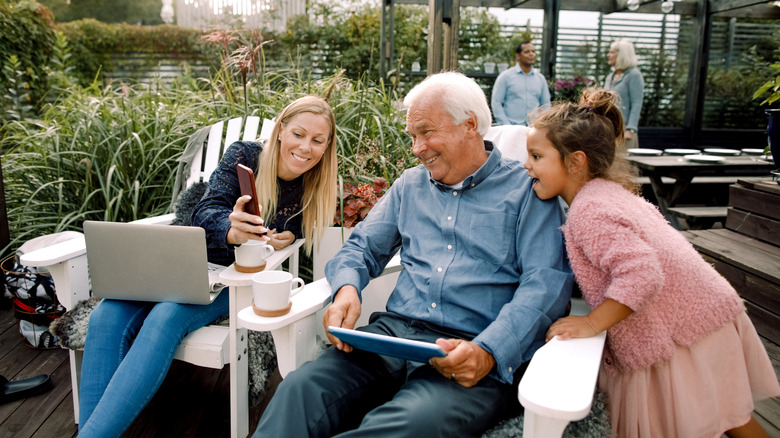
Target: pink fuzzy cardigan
{"x":621,"y":247}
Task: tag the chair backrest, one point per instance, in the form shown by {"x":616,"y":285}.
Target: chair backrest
{"x":205,"y":148}
{"x":510,"y":140}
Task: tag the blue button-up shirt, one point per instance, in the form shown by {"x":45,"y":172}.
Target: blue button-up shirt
{"x":487,"y":258}
{"x":517,"y":94}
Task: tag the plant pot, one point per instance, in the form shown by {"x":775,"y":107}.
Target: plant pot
{"x":773,"y":135}
{"x":490,"y":67}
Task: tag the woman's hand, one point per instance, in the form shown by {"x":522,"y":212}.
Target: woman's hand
{"x":628,"y":135}
{"x":280,"y":240}
{"x":244,"y":226}
{"x":571,"y":327}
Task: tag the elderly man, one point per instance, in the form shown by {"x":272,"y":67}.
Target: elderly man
{"x":484,"y":276}
{"x":520,"y":90}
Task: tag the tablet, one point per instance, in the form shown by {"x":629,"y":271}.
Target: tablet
{"x":408,"y":349}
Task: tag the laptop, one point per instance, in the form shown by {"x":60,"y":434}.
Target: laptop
{"x":157,"y":263}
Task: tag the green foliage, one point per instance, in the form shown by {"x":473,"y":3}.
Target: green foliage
{"x":772,"y":86}
{"x":17,"y":97}
{"x":108,"y":11}
{"x":93,"y":43}
{"x":731,"y":92}
{"x":26,"y":32}
{"x":109,"y":152}
{"x":666,"y":83}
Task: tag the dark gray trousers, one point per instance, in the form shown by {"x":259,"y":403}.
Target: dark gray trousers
{"x":364,"y":394}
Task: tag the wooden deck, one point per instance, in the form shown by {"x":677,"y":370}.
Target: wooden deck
{"x":192,"y":402}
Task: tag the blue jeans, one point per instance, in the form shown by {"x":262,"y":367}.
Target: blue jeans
{"x":365,"y":394}
{"x":128,"y":350}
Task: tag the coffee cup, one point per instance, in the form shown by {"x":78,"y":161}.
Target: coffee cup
{"x":272,"y":291}
{"x":251,"y":255}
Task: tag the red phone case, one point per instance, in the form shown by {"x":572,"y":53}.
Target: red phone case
{"x":246,"y":179}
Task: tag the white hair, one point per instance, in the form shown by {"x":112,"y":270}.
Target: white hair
{"x":460,"y":96}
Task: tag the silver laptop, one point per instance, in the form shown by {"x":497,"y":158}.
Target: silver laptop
{"x":143,"y":262}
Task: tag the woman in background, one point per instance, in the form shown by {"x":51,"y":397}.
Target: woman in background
{"x":627,"y":81}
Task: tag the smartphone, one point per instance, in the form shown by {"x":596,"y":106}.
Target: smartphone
{"x":246,"y":179}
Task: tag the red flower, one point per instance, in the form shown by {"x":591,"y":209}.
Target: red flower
{"x":358,"y":201}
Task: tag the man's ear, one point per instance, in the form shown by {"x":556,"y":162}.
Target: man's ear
{"x":577,"y":162}
{"x":471,"y":125}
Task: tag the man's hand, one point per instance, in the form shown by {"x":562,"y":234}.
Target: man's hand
{"x":343,"y":312}
{"x":466,"y":362}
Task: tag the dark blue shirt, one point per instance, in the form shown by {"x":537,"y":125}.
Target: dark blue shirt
{"x":214,"y":208}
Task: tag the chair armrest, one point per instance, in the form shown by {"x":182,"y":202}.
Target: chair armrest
{"x":561,"y":379}
{"x":165,"y":219}
{"x":57,"y":253}
{"x":67,"y":264}
{"x":314,"y":296}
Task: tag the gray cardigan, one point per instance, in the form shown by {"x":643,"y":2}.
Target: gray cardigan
{"x":631,"y":87}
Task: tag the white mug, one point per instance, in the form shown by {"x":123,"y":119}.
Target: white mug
{"x":272,"y":291}
{"x":253,"y":253}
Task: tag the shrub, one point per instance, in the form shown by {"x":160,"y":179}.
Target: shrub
{"x":26,"y":32}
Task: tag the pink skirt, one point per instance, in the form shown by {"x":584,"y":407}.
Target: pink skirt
{"x":702,"y":391}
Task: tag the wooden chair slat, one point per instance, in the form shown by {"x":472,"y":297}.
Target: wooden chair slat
{"x":250,"y":128}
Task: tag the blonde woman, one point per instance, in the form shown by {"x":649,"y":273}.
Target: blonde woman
{"x":627,"y":80}
{"x":295,"y":178}
{"x":130,"y":344}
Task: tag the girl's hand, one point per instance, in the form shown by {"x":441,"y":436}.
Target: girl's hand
{"x":280,"y":240}
{"x":244,"y":226}
{"x":571,"y":327}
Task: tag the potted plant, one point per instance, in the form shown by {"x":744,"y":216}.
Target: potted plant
{"x":773,"y":130}
{"x":355,"y":201}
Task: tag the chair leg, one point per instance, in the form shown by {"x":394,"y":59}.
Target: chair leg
{"x":75,"y":380}
{"x":537,"y":426}
{"x":239,"y":384}
{"x":239,"y":364}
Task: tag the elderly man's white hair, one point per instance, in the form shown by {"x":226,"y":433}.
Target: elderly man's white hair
{"x":460,"y":96}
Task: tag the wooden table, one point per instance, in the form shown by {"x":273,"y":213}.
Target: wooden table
{"x":682,"y":171}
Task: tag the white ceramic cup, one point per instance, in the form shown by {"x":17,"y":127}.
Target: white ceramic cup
{"x":272,"y":290}
{"x":253,"y":253}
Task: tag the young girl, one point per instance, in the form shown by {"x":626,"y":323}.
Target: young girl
{"x":682,"y":357}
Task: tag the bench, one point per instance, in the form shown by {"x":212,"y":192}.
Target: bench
{"x":699,"y":218}
{"x":747,"y":251}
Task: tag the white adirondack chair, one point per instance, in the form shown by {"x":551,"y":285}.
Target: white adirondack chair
{"x":557,"y":388}
{"x":213,"y":346}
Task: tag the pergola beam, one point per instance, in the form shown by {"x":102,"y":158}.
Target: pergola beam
{"x":728,"y":5}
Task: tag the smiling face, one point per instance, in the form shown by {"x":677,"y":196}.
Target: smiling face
{"x":546,"y":166}
{"x":445,"y":149}
{"x":304,"y":139}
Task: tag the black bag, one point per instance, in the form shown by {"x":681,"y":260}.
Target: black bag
{"x":32,"y":293}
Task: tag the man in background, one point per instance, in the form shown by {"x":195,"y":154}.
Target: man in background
{"x":520,"y":90}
